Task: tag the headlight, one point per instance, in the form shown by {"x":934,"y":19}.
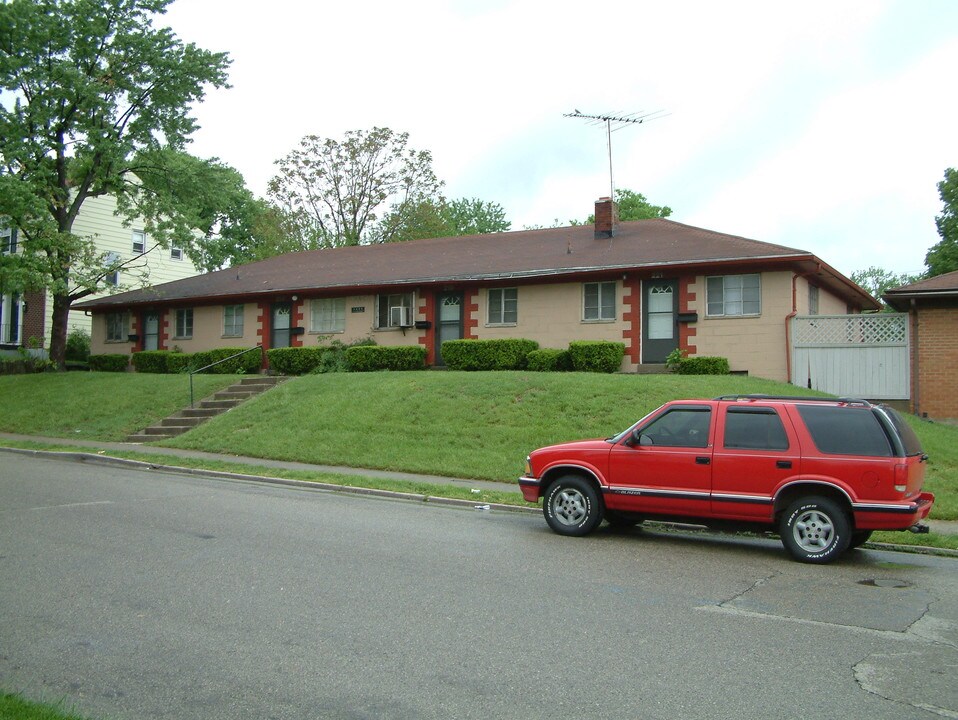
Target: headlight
{"x":528,"y":466}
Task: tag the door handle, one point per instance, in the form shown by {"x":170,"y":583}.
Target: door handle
{"x":703,"y":460}
{"x":784,"y":464}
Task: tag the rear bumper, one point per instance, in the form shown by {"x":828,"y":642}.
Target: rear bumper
{"x":530,"y":487}
{"x":892,"y":516}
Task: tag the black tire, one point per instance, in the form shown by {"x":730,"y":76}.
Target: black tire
{"x":815,"y":530}
{"x":859,"y":538}
{"x":622,"y":520}
{"x":572,"y":506}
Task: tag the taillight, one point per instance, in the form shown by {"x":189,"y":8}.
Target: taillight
{"x":901,"y":478}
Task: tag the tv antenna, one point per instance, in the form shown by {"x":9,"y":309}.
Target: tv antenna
{"x":621,"y":121}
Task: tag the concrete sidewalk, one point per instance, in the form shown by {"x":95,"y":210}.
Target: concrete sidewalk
{"x":944,"y":527}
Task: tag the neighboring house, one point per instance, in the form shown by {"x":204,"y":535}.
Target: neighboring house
{"x":26,"y":320}
{"x":655,"y":285}
{"x":932,"y":307}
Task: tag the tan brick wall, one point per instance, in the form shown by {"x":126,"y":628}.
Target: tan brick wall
{"x":937,"y":348}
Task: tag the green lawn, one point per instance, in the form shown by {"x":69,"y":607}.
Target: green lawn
{"x":16,"y":707}
{"x":95,"y":405}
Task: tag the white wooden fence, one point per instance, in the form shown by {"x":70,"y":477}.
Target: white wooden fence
{"x":862,"y":356}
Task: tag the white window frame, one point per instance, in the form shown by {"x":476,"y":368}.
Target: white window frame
{"x":117,"y":327}
{"x":233,"y":326}
{"x":11,"y":306}
{"x":395,"y":300}
{"x":734,"y":286}
{"x":602,"y":312}
{"x":183,"y":324}
{"x":8,"y":240}
{"x":327,"y":315}
{"x":176,"y":253}
{"x":139,"y":242}
{"x":505,"y":316}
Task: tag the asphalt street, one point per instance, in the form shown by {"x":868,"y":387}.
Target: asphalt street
{"x":144,"y":594}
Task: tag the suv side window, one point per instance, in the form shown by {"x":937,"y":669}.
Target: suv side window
{"x":754,"y":429}
{"x":845,"y":431}
{"x":679,"y":427}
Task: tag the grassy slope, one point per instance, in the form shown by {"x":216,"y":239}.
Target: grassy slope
{"x":96,"y":406}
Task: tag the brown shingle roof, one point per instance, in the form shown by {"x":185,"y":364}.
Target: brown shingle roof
{"x":940,"y":286}
{"x":525,"y":254}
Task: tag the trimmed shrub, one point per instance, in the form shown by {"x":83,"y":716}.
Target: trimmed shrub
{"x":24,"y":365}
{"x":549,"y":360}
{"x":248,"y":363}
{"x":502,"y":354}
{"x":78,"y":346}
{"x":596,"y":356}
{"x":178,"y":362}
{"x":294,"y":360}
{"x":109,"y":362}
{"x":151,"y":361}
{"x":367,"y":358}
{"x":703,"y":365}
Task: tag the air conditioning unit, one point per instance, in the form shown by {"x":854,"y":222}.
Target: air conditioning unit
{"x":399,"y":317}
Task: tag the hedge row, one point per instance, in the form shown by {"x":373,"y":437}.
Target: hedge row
{"x":549,"y":360}
{"x":702,"y":365}
{"x":596,"y":356}
{"x":109,"y":362}
{"x":164,"y":361}
{"x":24,"y":366}
{"x":504,"y":354}
{"x":367,"y":358}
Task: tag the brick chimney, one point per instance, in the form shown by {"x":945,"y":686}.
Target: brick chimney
{"x":606,"y":218}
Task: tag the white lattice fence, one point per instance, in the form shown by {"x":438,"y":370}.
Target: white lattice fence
{"x":852,"y":355}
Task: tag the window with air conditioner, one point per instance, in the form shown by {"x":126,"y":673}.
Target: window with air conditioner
{"x":394,"y":311}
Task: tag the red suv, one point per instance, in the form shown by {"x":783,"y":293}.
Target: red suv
{"x":823,"y":473}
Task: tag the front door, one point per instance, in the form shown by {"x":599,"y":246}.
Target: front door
{"x":151,"y":330}
{"x":449,"y":321}
{"x":660,"y":331}
{"x":279,"y":328}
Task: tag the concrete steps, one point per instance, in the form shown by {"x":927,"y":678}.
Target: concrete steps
{"x":188,"y":418}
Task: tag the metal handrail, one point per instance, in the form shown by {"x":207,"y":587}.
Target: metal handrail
{"x":205,"y":367}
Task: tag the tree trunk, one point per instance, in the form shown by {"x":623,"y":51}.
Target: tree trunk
{"x":58,"y":330}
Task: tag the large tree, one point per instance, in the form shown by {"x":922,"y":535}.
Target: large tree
{"x":447,"y":218}
{"x":357,"y":190}
{"x":635,"y":206}
{"x":91,"y":87}
{"x":878,"y":281}
{"x":943,"y":256}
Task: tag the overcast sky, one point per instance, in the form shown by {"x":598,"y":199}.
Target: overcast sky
{"x":823,"y":126}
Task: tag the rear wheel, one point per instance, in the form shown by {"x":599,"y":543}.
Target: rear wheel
{"x":859,"y":538}
{"x":572,"y":506}
{"x":815,"y":530}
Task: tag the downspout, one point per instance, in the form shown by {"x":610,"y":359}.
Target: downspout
{"x":915,"y":365}
{"x":788,"y":321}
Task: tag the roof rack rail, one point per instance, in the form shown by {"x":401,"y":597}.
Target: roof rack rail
{"x":798,"y":398}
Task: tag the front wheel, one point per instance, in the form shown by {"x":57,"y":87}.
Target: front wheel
{"x":815,"y":530}
{"x":572,"y":506}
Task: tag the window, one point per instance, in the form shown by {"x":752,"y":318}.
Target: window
{"x":754,"y":429}
{"x":681,"y":427}
{"x":117,"y":327}
{"x":233,"y":321}
{"x":111,"y":278}
{"x":8,"y":240}
{"x":394,"y":310}
{"x":813,"y":299}
{"x":503,"y":306}
{"x":139,"y":241}
{"x":598,"y":301}
{"x":176,"y":253}
{"x":327,"y":315}
{"x":184,"y":324}
{"x":11,"y":316}
{"x":734,"y":295}
{"x":845,"y":431}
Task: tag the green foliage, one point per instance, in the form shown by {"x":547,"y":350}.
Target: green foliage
{"x":78,"y":345}
{"x":877,"y":281}
{"x":90,"y":83}
{"x":151,"y":361}
{"x":596,"y":356}
{"x":472,"y":216}
{"x":674,"y":359}
{"x":24,"y":365}
{"x":549,"y":360}
{"x":247,"y":363}
{"x":635,"y":206}
{"x":109,"y":362}
{"x":943,"y":257}
{"x":179,"y":362}
{"x":431,"y":217}
{"x":502,"y":354}
{"x":368,"y":358}
{"x":16,"y":707}
{"x":703,"y":365}
{"x":351,"y":192}
{"x":294,"y":360}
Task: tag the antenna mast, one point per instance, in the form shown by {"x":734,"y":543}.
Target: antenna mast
{"x":636,"y":118}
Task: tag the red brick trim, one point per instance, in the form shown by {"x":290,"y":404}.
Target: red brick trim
{"x":427,"y":309}
{"x":164,"y":340}
{"x":686,"y":298}
{"x":296,"y":320}
{"x":470,"y":323}
{"x":632,"y":315}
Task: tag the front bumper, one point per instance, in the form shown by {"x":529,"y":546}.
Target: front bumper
{"x":530,"y":487}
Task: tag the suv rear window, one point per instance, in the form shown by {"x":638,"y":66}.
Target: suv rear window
{"x":845,"y":430}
